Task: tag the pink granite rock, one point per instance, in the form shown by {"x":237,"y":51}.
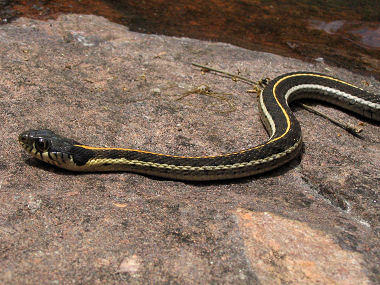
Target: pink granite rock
{"x":96,"y":82}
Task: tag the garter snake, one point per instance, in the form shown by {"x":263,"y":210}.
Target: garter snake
{"x":283,"y":145}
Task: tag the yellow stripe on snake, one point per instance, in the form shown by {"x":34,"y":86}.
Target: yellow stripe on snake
{"x":284,"y":144}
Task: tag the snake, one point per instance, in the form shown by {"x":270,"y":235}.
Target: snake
{"x":284,"y":143}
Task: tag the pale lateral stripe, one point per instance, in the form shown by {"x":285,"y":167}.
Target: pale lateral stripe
{"x":268,"y":116}
{"x":332,"y":91}
{"x":99,"y":161}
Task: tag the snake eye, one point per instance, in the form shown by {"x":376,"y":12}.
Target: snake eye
{"x":41,"y":145}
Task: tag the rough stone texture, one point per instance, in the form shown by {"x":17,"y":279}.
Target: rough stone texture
{"x":95,"y":81}
{"x":284,"y":251}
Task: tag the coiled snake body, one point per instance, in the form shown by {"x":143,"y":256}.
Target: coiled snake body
{"x":284,"y":144}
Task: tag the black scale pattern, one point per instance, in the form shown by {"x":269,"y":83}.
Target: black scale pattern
{"x":288,"y":140}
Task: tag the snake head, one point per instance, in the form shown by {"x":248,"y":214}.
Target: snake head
{"x":48,"y":147}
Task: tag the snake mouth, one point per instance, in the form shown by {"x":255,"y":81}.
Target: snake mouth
{"x":49,"y":147}
{"x":30,"y":147}
{"x":34,"y":145}
{"x":23,"y":139}
{"x":26,"y":146}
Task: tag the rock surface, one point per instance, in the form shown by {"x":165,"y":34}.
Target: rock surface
{"x":315,"y":220}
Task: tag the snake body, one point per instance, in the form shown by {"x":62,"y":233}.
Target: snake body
{"x":284,"y":144}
